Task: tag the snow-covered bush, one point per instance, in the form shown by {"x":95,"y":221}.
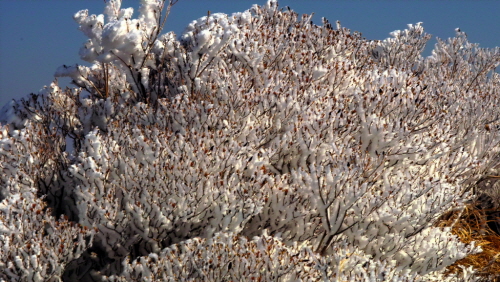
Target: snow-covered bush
{"x":257,"y":145}
{"x":34,"y":246}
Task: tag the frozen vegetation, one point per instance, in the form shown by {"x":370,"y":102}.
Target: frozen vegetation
{"x":255,"y":146}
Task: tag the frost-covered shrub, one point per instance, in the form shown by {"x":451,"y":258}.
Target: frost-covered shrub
{"x":258,"y":131}
{"x":34,"y":246}
{"x":229,"y":257}
{"x":224,"y":257}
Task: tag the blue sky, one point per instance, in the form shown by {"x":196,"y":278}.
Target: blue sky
{"x":38,"y":36}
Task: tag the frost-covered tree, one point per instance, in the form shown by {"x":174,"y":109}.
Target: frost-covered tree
{"x":255,"y":146}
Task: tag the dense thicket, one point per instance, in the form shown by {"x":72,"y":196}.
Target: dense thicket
{"x":255,"y":146}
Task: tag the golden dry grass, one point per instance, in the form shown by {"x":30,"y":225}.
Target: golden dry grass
{"x":471,"y":225}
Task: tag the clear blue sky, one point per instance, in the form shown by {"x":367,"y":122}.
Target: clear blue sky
{"x":37,"y":36}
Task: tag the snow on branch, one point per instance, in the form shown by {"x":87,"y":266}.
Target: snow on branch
{"x":256,"y":144}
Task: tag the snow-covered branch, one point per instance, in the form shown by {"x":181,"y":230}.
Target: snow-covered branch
{"x":255,"y":144}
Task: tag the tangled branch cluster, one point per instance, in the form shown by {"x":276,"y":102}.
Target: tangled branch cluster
{"x":256,"y":146}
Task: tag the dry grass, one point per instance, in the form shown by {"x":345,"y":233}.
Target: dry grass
{"x":471,"y":225}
